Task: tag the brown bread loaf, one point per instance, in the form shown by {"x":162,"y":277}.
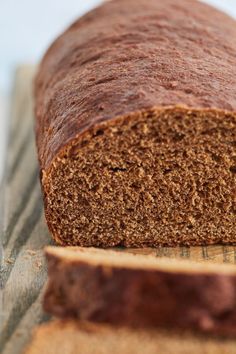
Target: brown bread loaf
{"x":71,"y":337}
{"x":135,"y":290}
{"x":136,"y":126}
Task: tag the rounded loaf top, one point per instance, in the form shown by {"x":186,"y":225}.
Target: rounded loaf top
{"x":130,"y":55}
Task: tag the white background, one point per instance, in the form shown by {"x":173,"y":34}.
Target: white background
{"x":27,"y":27}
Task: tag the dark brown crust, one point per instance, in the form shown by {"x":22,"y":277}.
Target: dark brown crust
{"x":130,"y":55}
{"x":204,"y":301}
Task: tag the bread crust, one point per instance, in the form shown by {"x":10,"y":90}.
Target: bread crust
{"x":130,"y":55}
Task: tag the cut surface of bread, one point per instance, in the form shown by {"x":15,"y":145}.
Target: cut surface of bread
{"x":140,"y":291}
{"x":71,"y":337}
{"x":136,"y":126}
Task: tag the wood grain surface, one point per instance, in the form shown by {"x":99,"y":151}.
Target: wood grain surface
{"x":24,"y":233}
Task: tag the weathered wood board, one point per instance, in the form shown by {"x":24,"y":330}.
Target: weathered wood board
{"x":24,"y":233}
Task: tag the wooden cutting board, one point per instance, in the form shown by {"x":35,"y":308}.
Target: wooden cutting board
{"x":24,"y":233}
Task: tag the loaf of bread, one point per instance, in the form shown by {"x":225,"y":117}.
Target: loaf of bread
{"x":134,"y":290}
{"x":136,"y":126}
{"x":71,"y":337}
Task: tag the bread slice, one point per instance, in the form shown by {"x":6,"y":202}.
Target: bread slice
{"x":140,"y":291}
{"x":136,"y":126}
{"x":71,"y":337}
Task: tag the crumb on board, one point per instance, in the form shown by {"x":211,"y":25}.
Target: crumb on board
{"x":9,"y":261}
{"x":31,"y":252}
{"x":19,"y":333}
{"x":38,"y":264}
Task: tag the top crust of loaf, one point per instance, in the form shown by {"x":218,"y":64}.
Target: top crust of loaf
{"x":131,"y":55}
{"x":118,"y":259}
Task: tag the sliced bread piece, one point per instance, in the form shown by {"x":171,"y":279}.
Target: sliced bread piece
{"x":71,"y":337}
{"x":136,"y":290}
